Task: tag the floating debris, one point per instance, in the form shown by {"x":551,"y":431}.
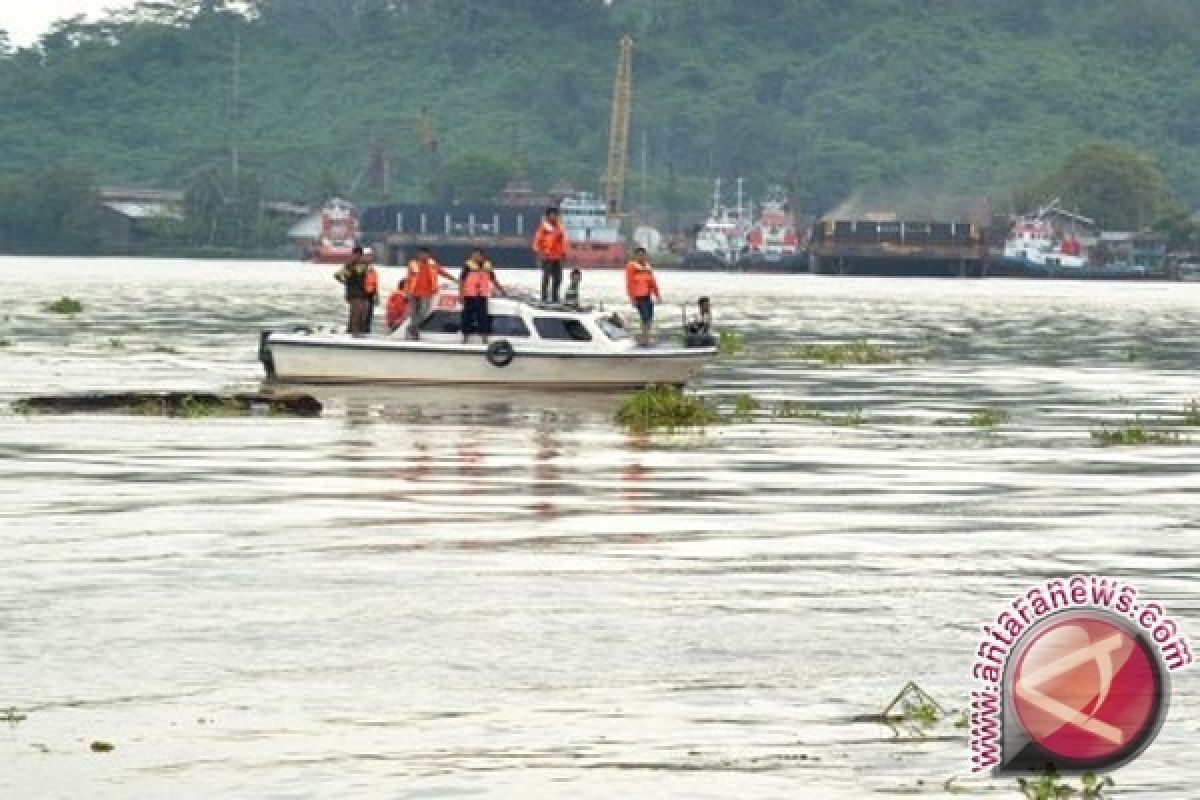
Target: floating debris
{"x":1047,"y":786}
{"x":663,"y":408}
{"x":1135,"y":434}
{"x":173,"y":404}
{"x":914,"y":705}
{"x":840,"y":354}
{"x":65,"y":305}
{"x":100,"y":746}
{"x":12,"y":716}
{"x":988,"y":418}
{"x":730,"y":343}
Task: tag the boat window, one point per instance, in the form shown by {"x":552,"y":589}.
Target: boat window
{"x":443,"y":322}
{"x":561,"y":328}
{"x":611,"y":329}
{"x":508,"y":325}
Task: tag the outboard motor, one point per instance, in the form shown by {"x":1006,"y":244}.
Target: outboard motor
{"x":697,"y":332}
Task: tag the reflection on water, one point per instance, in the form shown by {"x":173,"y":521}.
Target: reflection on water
{"x":437,"y":594}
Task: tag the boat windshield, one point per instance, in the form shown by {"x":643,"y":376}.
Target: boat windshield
{"x":611,"y":329}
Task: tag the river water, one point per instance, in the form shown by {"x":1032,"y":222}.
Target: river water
{"x":442,"y":594}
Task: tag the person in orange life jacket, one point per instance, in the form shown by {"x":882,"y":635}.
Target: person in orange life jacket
{"x":420,"y":286}
{"x":397,"y":307}
{"x":550,"y":246}
{"x":476,"y":282}
{"x":642,"y":289}
{"x":354,"y":277}
{"x":371,"y":284}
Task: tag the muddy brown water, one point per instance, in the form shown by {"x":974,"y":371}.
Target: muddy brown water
{"x":439,"y":594}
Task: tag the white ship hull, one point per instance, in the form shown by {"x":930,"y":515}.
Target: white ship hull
{"x":340,"y":358}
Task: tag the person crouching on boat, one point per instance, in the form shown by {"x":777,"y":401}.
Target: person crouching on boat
{"x":420,"y":286}
{"x":354,"y":277}
{"x":397,"y":307}
{"x":642,"y":288}
{"x":476,"y":283}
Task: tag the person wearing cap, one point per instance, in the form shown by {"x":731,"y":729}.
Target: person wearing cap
{"x":354,"y":277}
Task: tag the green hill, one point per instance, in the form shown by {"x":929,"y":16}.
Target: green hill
{"x":970,"y":97}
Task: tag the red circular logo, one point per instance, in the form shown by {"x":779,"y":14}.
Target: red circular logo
{"x":1087,"y":691}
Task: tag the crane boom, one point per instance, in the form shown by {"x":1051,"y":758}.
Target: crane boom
{"x":618,"y":132}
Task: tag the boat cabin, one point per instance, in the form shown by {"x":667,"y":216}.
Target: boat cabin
{"x":525,"y":322}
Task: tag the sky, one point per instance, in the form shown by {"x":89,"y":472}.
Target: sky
{"x":26,"y":20}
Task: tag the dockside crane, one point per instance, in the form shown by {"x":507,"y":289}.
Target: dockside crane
{"x":618,"y":131}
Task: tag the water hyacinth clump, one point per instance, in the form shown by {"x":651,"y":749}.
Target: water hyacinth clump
{"x":1134,"y":434}
{"x":65,"y":305}
{"x":988,"y":418}
{"x":663,"y":408}
{"x":843,"y":353}
{"x":730,"y":343}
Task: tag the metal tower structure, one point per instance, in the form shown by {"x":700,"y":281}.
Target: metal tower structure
{"x":618,"y":132}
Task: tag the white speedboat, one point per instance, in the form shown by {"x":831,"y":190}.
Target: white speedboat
{"x":531,"y":345}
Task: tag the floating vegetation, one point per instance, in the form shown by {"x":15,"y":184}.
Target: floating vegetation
{"x":116,"y":344}
{"x":12,"y":716}
{"x":100,"y":746}
{"x":988,"y":418}
{"x":5,"y":342}
{"x":856,"y":352}
{"x":165,"y":349}
{"x":173,"y":404}
{"x":65,"y":305}
{"x":791,"y":410}
{"x":1135,"y":434}
{"x":1048,"y":786}
{"x":1191,"y":412}
{"x":913,"y":705}
{"x":744,"y":406}
{"x":663,"y":408}
{"x":730,"y":343}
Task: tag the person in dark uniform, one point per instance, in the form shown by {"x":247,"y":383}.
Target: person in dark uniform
{"x":354,"y":277}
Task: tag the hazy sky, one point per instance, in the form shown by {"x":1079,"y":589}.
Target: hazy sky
{"x":26,"y":20}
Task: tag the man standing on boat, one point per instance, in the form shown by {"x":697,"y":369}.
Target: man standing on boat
{"x":477,"y":281}
{"x":354,"y":277}
{"x":420,"y":286}
{"x":550,"y":245}
{"x":642,"y":288}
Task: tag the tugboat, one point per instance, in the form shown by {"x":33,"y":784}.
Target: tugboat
{"x":594,"y":237}
{"x":1034,"y":243}
{"x":532,"y":345}
{"x":772,"y":242}
{"x":721,"y":240}
{"x":338,"y":234}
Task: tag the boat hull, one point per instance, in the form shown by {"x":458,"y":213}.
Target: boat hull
{"x":337,"y":358}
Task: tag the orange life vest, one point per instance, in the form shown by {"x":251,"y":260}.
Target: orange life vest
{"x":422,"y":278}
{"x":550,"y":241}
{"x":640,"y":281}
{"x":478,"y":279}
{"x":397,"y":309}
{"x":371,"y":282}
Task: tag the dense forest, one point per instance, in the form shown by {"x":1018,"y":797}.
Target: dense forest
{"x":958,"y":99}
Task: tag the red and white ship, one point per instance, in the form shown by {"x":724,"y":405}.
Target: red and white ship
{"x":338,"y":233}
{"x":773,"y":236}
{"x":594,"y":237}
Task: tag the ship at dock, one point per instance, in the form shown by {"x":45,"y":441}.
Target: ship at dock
{"x":504,"y":231}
